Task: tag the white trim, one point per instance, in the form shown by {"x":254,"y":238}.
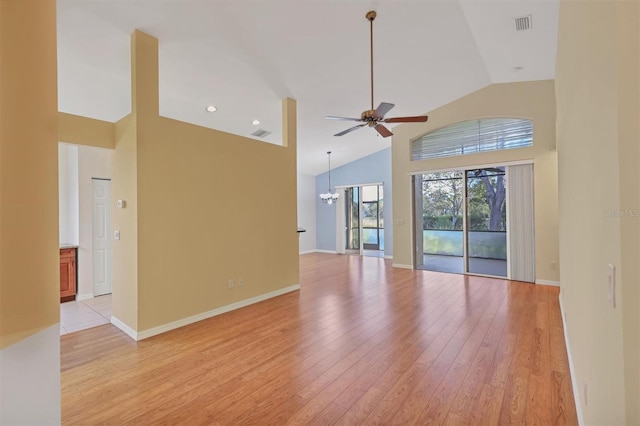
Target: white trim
{"x":508,"y":230}
{"x":340,"y":241}
{"x":144,"y":334}
{"x":86,"y":296}
{"x":326,"y":251}
{"x":401,"y":266}
{"x":388,"y":257}
{"x":572,"y":369}
{"x":547,"y":282}
{"x":124,"y":327}
{"x":308,"y":251}
{"x":359,"y":185}
{"x":472,"y":166}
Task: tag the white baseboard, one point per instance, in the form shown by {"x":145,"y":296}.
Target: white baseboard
{"x":86,"y":296}
{"x":574,"y":381}
{"x":144,"y":334}
{"x":389,"y":257}
{"x":547,"y":282}
{"x":401,"y":266}
{"x":307,"y":251}
{"x":124,"y":327}
{"x":326,"y":251}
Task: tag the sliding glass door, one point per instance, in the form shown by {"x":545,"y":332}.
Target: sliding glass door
{"x":461,"y":221}
{"x":364,"y":218}
{"x":486,"y":221}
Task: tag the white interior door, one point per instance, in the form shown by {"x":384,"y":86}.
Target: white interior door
{"x":101,"y":237}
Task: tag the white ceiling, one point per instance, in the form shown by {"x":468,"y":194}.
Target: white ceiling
{"x":244,"y":56}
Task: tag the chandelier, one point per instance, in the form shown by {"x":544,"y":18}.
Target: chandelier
{"x":329,"y":198}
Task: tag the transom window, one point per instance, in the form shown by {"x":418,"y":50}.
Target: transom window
{"x":472,"y":137}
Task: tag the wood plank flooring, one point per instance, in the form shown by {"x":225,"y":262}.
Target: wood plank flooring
{"x":360,"y":343}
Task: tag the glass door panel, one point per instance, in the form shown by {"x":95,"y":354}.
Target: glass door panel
{"x":370,"y":218}
{"x":486,"y":221}
{"x":353,"y":219}
{"x":442,"y":221}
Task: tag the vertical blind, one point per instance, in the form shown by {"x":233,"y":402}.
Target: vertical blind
{"x":522,"y":247}
{"x":474,"y":136}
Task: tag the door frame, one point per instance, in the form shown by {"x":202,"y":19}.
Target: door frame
{"x":414,"y":203}
{"x":341,"y":219}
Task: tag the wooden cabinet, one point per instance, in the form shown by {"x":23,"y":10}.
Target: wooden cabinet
{"x":68,"y":275}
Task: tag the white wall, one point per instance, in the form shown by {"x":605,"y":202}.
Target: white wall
{"x":30,"y":379}
{"x":307,"y":212}
{"x":68,"y":193}
{"x":92,"y":163}
{"x":598,"y":139}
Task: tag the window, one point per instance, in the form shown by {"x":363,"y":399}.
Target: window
{"x":472,"y":137}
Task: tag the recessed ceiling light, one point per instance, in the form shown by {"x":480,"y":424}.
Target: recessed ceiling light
{"x":211,"y":108}
{"x":255,"y":122}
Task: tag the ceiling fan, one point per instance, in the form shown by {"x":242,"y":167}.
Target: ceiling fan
{"x":375,"y":117}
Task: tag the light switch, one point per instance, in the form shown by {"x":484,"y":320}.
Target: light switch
{"x":116,"y":234}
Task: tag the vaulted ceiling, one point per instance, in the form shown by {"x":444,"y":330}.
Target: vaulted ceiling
{"x":244,"y":56}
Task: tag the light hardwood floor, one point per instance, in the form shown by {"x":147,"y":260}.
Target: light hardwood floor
{"x":360,"y":343}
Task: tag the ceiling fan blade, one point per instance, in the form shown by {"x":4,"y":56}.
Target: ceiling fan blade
{"x":417,"y":119}
{"x":384,"y":132}
{"x":331,"y":117}
{"x":383,"y":108}
{"x":344,"y":132}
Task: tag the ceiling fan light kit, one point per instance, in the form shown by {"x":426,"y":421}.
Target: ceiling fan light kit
{"x":375,"y":117}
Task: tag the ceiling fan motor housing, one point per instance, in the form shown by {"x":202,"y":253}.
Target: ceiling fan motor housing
{"x":370,"y":117}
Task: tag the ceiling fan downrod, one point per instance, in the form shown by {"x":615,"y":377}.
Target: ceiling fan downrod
{"x":371,"y":15}
{"x":375,"y":117}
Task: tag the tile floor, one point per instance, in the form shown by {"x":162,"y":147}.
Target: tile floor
{"x":76,"y":316}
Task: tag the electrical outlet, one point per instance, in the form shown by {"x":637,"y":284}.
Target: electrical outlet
{"x":240,"y":282}
{"x":611,"y":283}
{"x":230,"y":283}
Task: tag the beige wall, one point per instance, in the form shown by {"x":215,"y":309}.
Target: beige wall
{"x":85,"y":131}
{"x":598,"y":155}
{"x":532,"y":100}
{"x":29,"y":256}
{"x":124,"y":186}
{"x":203,"y":207}
{"x":29,"y":265}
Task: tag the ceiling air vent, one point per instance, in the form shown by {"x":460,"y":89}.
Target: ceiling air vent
{"x":261,"y":133}
{"x":523,"y":23}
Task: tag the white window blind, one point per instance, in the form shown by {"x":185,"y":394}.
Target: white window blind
{"x":472,"y":137}
{"x":522,"y":247}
